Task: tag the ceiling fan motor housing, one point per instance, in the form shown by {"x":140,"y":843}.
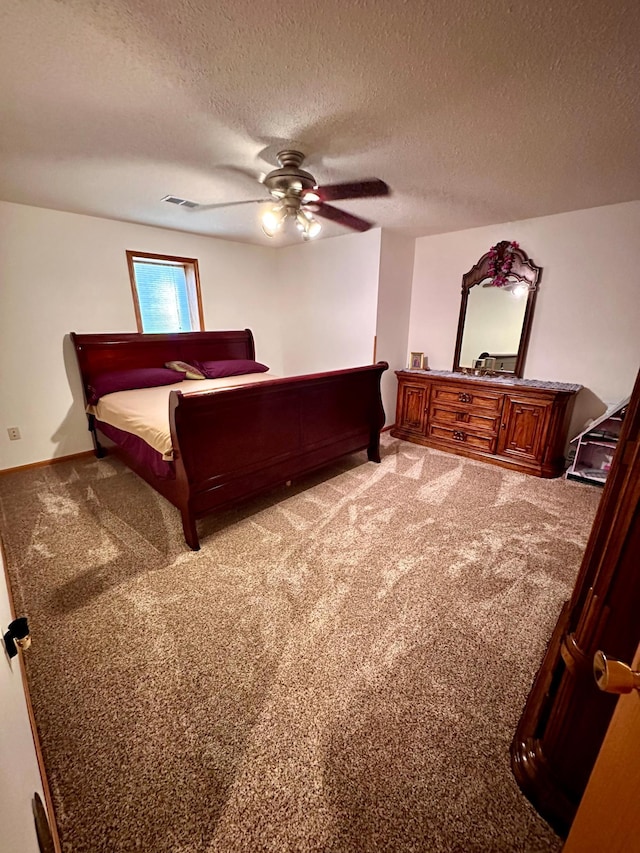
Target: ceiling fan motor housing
{"x":290,"y":179}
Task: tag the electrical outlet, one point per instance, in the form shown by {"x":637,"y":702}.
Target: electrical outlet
{"x":14,"y":433}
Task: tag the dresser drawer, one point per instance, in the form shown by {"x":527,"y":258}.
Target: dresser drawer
{"x":480,"y":400}
{"x":459,"y":437}
{"x":448,"y":416}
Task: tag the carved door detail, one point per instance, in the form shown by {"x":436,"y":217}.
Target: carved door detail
{"x":412,"y":407}
{"x":523,"y":428}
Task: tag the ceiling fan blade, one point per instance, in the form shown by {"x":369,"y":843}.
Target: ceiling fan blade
{"x":340,"y":216}
{"x":356,"y":189}
{"x":230,"y":204}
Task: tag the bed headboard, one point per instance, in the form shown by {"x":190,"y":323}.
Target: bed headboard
{"x":100,"y":353}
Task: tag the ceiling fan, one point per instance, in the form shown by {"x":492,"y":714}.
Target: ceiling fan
{"x":296,"y":196}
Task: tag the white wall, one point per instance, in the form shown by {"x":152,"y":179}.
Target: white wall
{"x":328,"y":298}
{"x":19,"y":772}
{"x":394,"y":301}
{"x":62,"y":272}
{"x":586,"y":326}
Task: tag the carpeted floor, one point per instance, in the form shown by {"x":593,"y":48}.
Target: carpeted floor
{"x":340,"y":668}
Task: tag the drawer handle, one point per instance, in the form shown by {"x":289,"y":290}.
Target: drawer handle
{"x":464,"y":398}
{"x":458,"y":436}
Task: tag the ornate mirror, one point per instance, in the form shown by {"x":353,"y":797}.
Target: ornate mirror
{"x":498,"y":297}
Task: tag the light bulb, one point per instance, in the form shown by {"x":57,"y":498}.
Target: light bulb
{"x":272,"y":221}
{"x":301,"y":222}
{"x":313,"y":228}
{"x":310,"y":195}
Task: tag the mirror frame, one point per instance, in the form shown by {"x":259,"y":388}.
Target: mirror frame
{"x":523,"y":270}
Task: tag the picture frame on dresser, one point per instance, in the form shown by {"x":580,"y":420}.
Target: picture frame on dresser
{"x":416,"y":361}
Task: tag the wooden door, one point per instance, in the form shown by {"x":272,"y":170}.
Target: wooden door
{"x":19,"y":776}
{"x":565,"y":719}
{"x":523,"y":428}
{"x":609,"y":815}
{"x":22,"y":773}
{"x":413,"y":402}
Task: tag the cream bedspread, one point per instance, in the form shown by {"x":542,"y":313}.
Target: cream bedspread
{"x":145,"y":411}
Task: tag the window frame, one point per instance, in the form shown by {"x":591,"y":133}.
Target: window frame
{"x":192,"y":276}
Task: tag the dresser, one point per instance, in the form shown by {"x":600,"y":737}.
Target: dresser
{"x":517,"y":423}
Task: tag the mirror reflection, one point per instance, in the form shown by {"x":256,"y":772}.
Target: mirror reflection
{"x":493,"y":326}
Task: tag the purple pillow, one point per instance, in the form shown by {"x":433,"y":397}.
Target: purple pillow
{"x":126,"y":380}
{"x":231,"y":367}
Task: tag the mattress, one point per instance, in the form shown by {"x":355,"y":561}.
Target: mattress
{"x":144,"y":412}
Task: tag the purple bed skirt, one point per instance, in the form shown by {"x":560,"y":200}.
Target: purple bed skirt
{"x":142,"y":452}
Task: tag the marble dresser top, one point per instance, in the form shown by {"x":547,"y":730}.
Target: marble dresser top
{"x":499,"y":380}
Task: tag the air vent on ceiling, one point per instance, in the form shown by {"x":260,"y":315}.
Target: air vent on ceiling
{"x":183,"y":202}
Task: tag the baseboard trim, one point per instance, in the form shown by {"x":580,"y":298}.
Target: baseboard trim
{"x":82,"y":455}
{"x":45,"y":462}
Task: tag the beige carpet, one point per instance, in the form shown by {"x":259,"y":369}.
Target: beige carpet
{"x":340,"y":668}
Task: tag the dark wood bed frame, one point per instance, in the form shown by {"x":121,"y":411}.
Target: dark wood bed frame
{"x":235,"y":443}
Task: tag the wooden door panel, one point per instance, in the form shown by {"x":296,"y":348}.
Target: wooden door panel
{"x":412,"y":408}
{"x":524,"y":428}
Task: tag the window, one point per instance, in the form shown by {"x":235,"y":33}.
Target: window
{"x":166,"y":293}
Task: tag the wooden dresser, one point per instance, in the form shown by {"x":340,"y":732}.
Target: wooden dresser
{"x":517,"y":423}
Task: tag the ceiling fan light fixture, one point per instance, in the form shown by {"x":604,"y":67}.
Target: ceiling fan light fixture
{"x":310,"y":196}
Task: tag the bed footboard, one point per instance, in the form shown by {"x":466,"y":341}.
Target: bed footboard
{"x":232,"y":444}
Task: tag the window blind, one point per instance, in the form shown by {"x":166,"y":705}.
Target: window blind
{"x":163,"y":297}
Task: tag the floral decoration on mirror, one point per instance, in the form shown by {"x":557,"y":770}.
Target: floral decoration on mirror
{"x":499,"y":269}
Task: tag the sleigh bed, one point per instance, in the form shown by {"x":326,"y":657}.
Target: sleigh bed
{"x":225,"y":444}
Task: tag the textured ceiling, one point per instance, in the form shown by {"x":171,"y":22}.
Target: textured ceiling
{"x":474,"y":113}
